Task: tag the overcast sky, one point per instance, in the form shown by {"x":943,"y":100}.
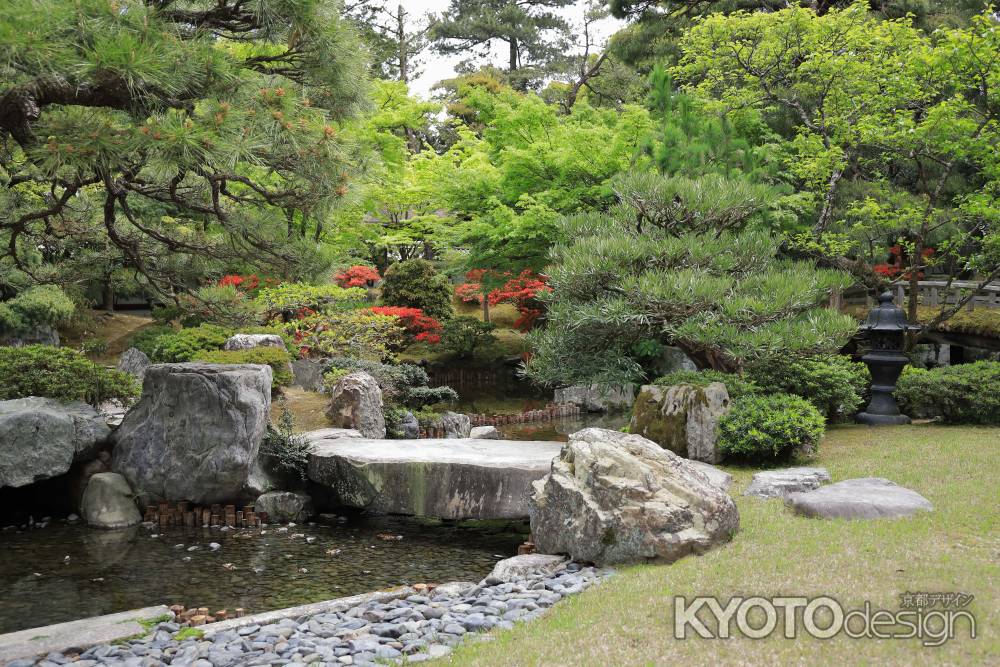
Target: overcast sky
{"x":435,"y":67}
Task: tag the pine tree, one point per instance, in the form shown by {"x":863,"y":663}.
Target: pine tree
{"x":534,"y":35}
{"x":172,"y":133}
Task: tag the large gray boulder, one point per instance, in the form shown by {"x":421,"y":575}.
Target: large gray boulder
{"x":716,"y":476}
{"x":285,"y":506}
{"x":682,"y":418}
{"x":308,"y":373}
{"x":598,"y":397}
{"x":41,"y":437}
{"x":40,"y":335}
{"x":454,"y":424}
{"x":613,"y":497}
{"x":356,"y":403}
{"x":863,"y":498}
{"x":435,"y":477}
{"x":195,"y":432}
{"x":780,"y":483}
{"x":109,"y":502}
{"x":249,"y":341}
{"x":134,"y":361}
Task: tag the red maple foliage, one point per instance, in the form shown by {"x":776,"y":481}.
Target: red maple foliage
{"x":522,"y":291}
{"x":420,"y":327}
{"x":357,"y":276}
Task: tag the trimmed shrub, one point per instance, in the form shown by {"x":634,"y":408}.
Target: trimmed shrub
{"x":185,"y":344}
{"x":962,"y":394}
{"x":44,"y":305}
{"x":464,"y":335}
{"x":416,"y":284}
{"x":358,"y":333}
{"x":766,"y":428}
{"x":833,"y":383}
{"x":63,"y":374}
{"x":274,"y":357}
{"x":223,"y":305}
{"x":736,"y":385}
{"x":148,"y":338}
{"x":290,"y":300}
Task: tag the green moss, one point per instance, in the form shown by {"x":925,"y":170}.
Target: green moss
{"x":189,"y":633}
{"x":668,"y":431}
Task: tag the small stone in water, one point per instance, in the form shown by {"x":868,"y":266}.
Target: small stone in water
{"x":186,"y":558}
{"x":193,"y":547}
{"x":72,"y":517}
{"x":303,"y":570}
{"x":310,"y":540}
{"x":333,"y":552}
{"x":178,"y":546}
{"x":228,"y":566}
{"x":214,"y":546}
{"x":66,"y":560}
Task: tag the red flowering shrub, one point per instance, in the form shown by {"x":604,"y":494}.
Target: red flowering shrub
{"x":420,"y":327}
{"x":357,"y":276}
{"x":242,"y":283}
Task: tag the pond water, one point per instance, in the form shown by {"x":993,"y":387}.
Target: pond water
{"x":559,"y":429}
{"x":63,"y":572}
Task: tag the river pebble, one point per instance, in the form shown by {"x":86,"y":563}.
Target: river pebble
{"x":414,"y":629}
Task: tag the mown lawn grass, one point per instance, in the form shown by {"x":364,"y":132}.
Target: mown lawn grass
{"x":628,"y":620}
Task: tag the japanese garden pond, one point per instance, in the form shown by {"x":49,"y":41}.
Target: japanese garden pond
{"x":68,"y":571}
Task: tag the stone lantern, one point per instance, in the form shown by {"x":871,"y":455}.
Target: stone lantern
{"x":885,"y":329}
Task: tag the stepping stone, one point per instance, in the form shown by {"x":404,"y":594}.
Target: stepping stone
{"x":780,"y":483}
{"x":864,"y":498}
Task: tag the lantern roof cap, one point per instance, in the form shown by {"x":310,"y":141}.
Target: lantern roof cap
{"x":887,"y":316}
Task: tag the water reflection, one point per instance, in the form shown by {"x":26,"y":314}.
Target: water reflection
{"x":64,"y":572}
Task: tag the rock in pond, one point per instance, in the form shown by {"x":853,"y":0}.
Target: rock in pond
{"x":682,"y":418}
{"x":779,"y":483}
{"x":527,"y":565}
{"x":409,"y":426}
{"x":195,"y":432}
{"x":863,"y":498}
{"x":598,"y":397}
{"x":134,"y":361}
{"x":613,"y":497}
{"x":485,"y":433}
{"x":448,"y":478}
{"x":454,"y":425}
{"x":356,"y":403}
{"x":285,"y":506}
{"x":108,"y":502}
{"x":249,"y":341}
{"x":41,"y":437}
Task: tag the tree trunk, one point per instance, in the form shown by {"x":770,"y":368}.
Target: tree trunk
{"x":109,"y":296}
{"x":486,"y":309}
{"x":512,"y":65}
{"x":403,"y":46}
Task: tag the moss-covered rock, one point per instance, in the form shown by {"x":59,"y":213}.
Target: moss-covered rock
{"x":682,"y":418}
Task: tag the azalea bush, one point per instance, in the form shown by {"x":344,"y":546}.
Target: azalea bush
{"x":292,"y":300}
{"x":357,"y":276}
{"x":419,"y":327}
{"x":360,"y":334}
{"x":962,"y":394}
{"x":769,"y":428}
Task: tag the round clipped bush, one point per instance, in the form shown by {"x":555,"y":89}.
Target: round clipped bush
{"x":416,"y":284}
{"x":43,"y":305}
{"x":766,"y":428}
{"x":833,"y":383}
{"x":962,"y":394}
{"x":63,"y":374}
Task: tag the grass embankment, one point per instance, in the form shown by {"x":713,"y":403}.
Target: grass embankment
{"x":510,"y":341}
{"x":628,"y":620}
{"x":979,"y":322}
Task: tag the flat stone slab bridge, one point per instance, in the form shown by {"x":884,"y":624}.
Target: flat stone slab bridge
{"x":457,"y":478}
